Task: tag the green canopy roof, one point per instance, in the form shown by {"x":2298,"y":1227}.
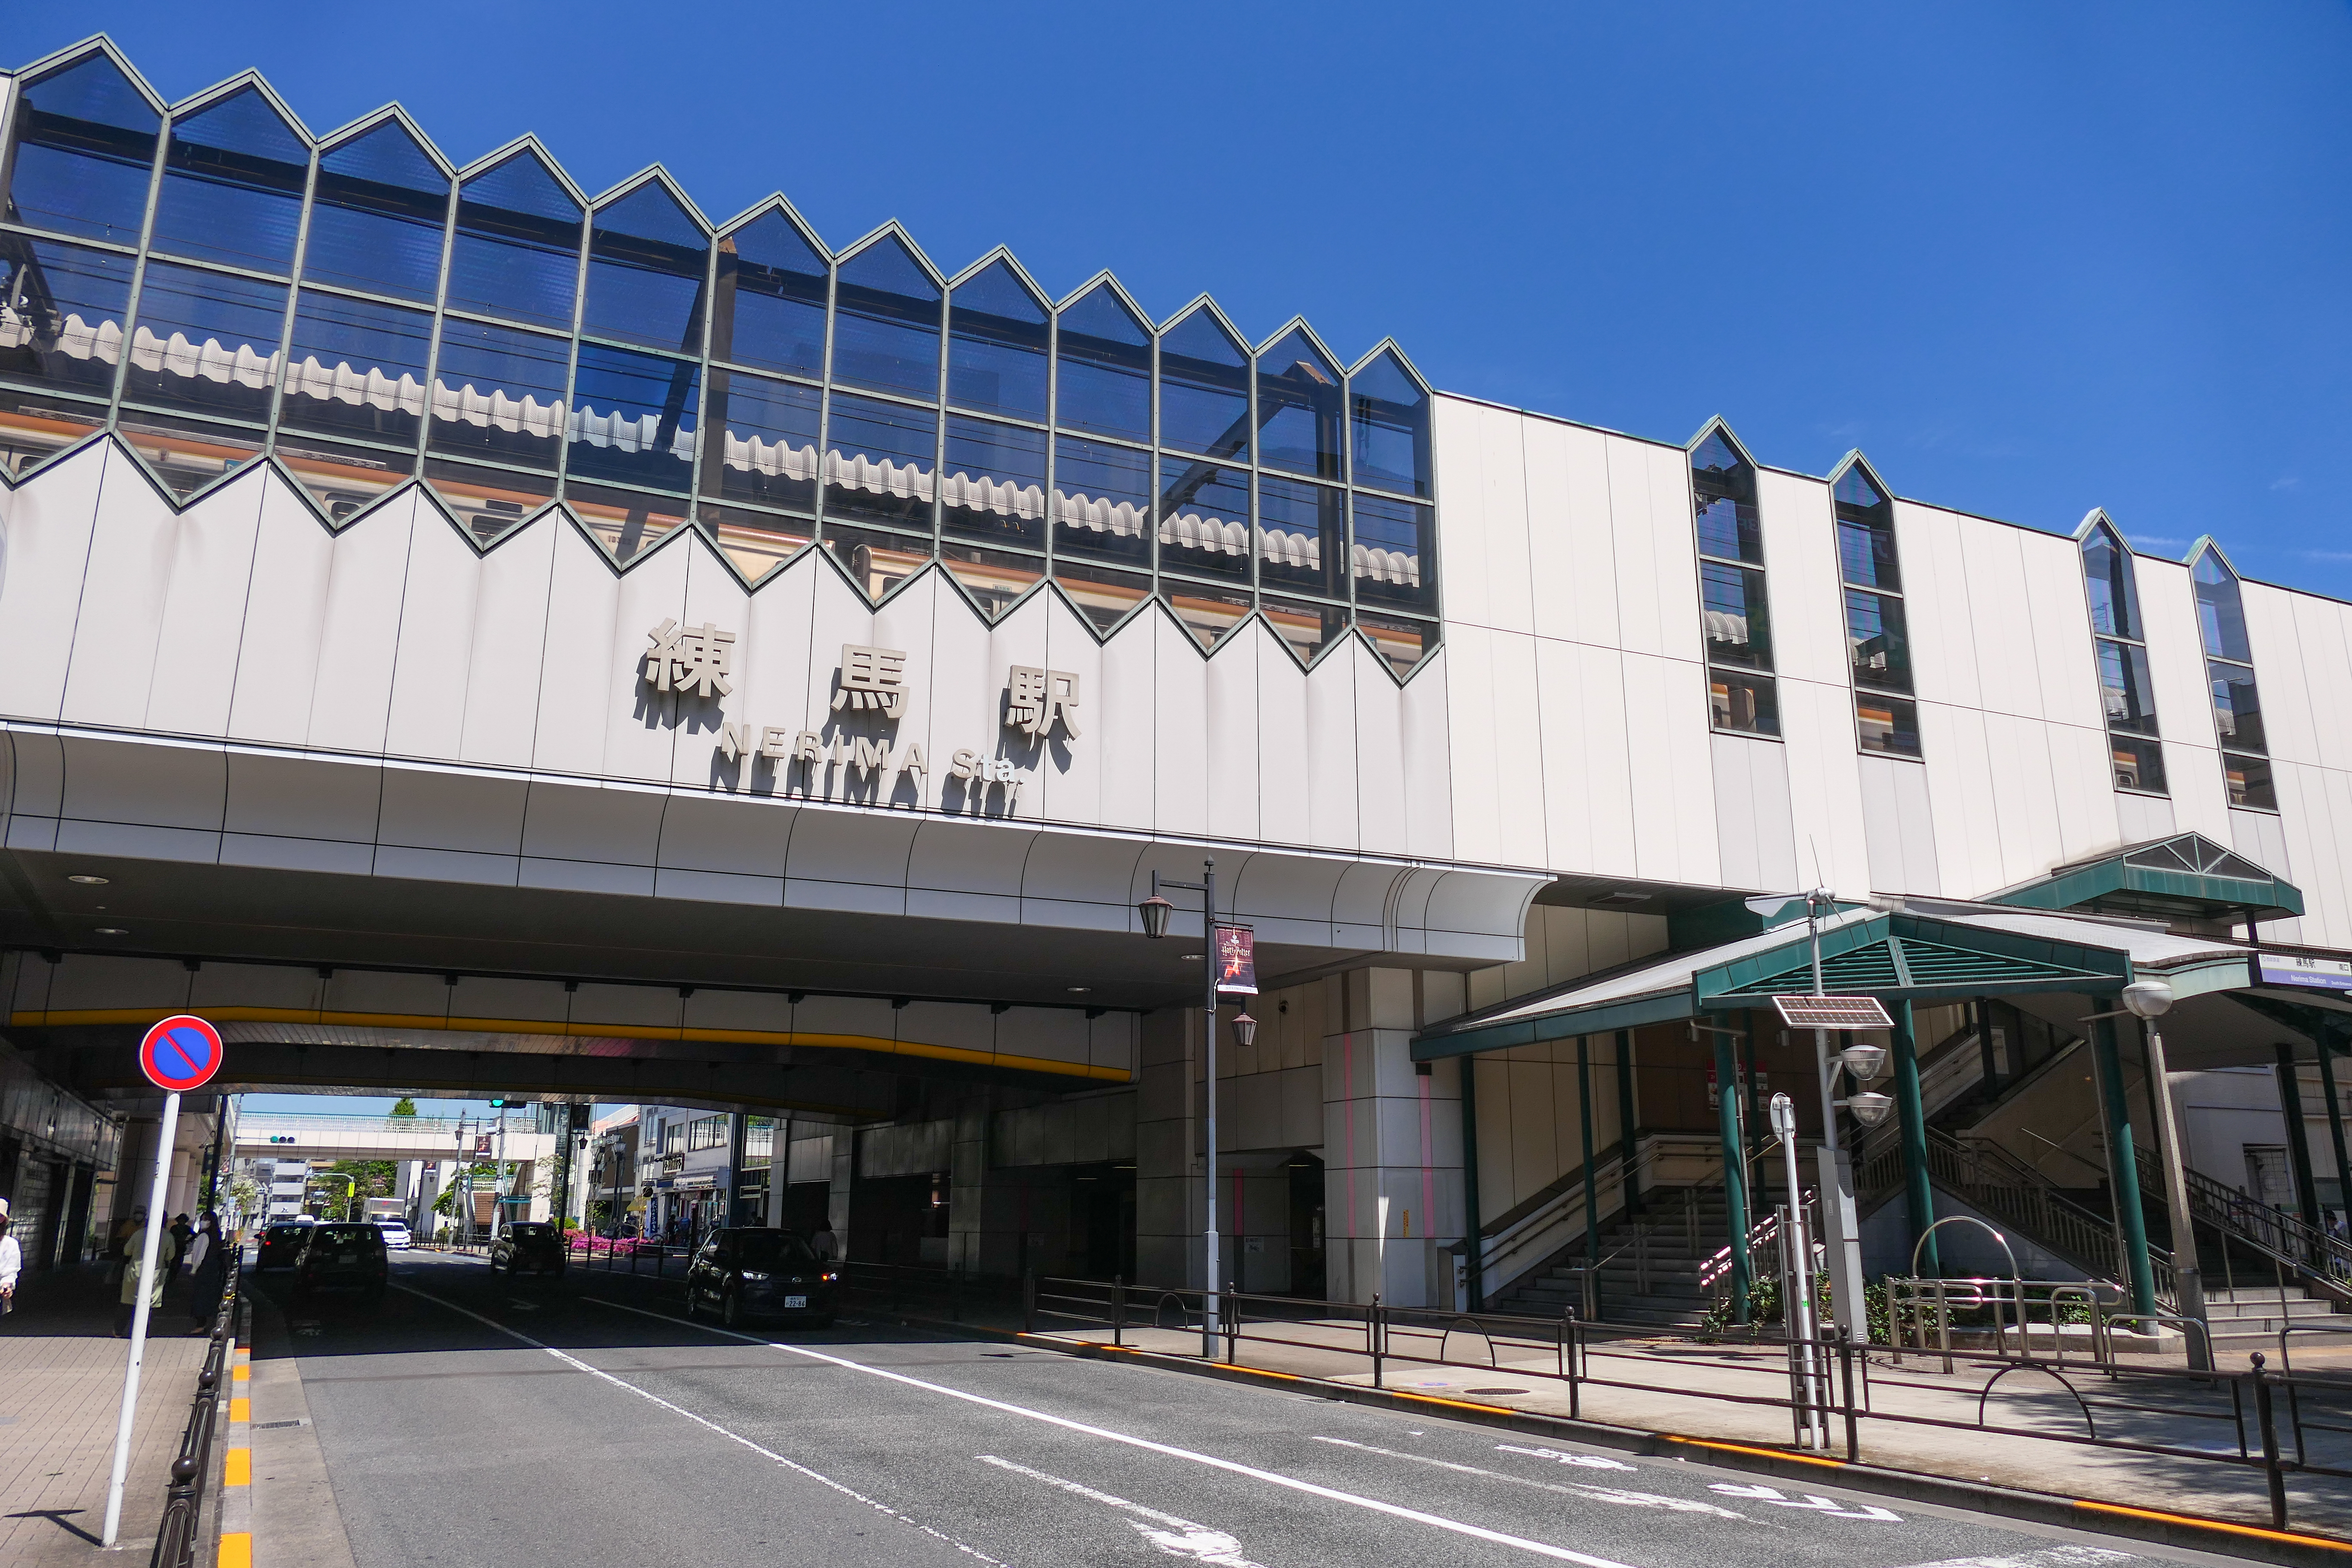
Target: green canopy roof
{"x":2184,"y":877}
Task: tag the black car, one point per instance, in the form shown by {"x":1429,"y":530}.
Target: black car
{"x":343,"y":1258}
{"x":280,"y":1246}
{"x":528,"y":1246}
{"x":760,"y":1272}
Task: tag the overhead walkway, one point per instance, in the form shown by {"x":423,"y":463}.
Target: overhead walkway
{"x":295,"y":1136}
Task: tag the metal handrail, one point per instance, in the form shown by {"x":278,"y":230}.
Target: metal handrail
{"x":1565,"y":1209}
{"x":176,"y":1537}
{"x":2319,"y":1259}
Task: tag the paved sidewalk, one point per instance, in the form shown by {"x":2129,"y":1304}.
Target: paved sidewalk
{"x":60,"y":1393}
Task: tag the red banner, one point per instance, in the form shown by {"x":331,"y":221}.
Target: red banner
{"x":1237,"y":959}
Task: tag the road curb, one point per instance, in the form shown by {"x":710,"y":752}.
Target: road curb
{"x":2194,"y":1533}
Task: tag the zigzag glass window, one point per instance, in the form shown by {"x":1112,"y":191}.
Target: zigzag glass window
{"x":233,"y":179}
{"x":753,"y":384}
{"x":2229,"y":674}
{"x":1741,"y":696}
{"x":517,"y":249}
{"x":2125,"y":691}
{"x":1878,"y":640}
{"x":84,"y":147}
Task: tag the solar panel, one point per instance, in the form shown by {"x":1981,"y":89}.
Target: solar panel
{"x":1833,"y":1013}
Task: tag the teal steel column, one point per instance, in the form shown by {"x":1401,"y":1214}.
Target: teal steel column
{"x":2299,"y":1135}
{"x":2123,"y":1160}
{"x":1584,"y":1128}
{"x":1474,"y":1275}
{"x":2324,"y":1040}
{"x":1628,"y":1150}
{"x":1918,"y":1196}
{"x":1735,"y":1187}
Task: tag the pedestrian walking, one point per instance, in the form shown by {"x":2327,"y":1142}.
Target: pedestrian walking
{"x":208,"y":1262}
{"x":134,"y":1255}
{"x":12,"y":1263}
{"x":824,"y":1243}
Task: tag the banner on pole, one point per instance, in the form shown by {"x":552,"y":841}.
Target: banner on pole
{"x":1236,"y":960}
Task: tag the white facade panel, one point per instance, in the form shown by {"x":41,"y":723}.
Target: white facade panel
{"x":118,"y":633}
{"x":1801,"y":577}
{"x":223,"y":595}
{"x":359,"y":638}
{"x":45,"y":560}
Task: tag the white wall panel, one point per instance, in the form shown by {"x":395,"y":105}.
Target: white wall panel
{"x":2025,"y":805}
{"x":2325,"y":629}
{"x":303,"y":797}
{"x":1180,"y":780}
{"x":1694,"y":780}
{"x":1469,"y":675}
{"x":115,"y":637}
{"x":2283,"y":673}
{"x":350,"y":702}
{"x":1604,"y":752}
{"x":1424,"y":730}
{"x":1379,"y":739}
{"x":1826,"y":787}
{"x":641,"y":726}
{"x":1458,"y":436}
{"x":2008,"y":680}
{"x":1502,"y":476}
{"x":1650,"y":724}
{"x":1967,"y":824}
{"x":1801,"y":577}
{"x":1515,"y":755}
{"x":1674,"y":546}
{"x":511,"y":604}
{"x":1937,"y":605}
{"x":2058,"y":615}
{"x":1244,"y":661}
{"x":965,"y":695}
{"x":2140,"y":817}
{"x":426,"y":717}
{"x":1073,"y":778}
{"x":1568,"y":737}
{"x":43,"y":555}
{"x":1334,"y":815}
{"x":216,"y":599}
{"x":2082,"y":768}
{"x":1124,"y":728}
{"x":1571,"y":550}
{"x":1018,"y":639}
{"x":1641,"y":627}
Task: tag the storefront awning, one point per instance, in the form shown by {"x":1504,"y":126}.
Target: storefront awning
{"x":1912,"y":950}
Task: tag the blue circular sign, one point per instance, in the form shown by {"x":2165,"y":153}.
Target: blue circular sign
{"x":180,"y":1053}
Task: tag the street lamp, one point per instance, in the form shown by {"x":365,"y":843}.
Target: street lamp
{"x":1154,"y":912}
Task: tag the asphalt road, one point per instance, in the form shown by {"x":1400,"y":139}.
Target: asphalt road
{"x":471,"y":1420}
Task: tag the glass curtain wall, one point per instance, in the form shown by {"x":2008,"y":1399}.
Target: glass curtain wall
{"x":1741,"y":695}
{"x":1877,"y":635}
{"x":2121,"y":646}
{"x":218,"y":287}
{"x":2230,"y":676}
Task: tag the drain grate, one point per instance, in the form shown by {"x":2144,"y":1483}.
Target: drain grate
{"x":274,"y":1425}
{"x":1494,"y":1391}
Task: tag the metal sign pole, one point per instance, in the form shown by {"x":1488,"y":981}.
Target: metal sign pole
{"x":1208,"y":964}
{"x":165,"y":1132}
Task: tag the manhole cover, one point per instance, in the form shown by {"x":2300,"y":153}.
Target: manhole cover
{"x":1494,"y":1391}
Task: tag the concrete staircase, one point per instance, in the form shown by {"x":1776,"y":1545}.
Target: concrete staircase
{"x":1649,"y":1267}
{"x":2253,"y":1312}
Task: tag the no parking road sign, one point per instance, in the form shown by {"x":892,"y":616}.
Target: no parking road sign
{"x":180,"y":1054}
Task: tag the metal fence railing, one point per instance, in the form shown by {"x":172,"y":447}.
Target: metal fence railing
{"x":2227,"y":1420}
{"x":177,"y":1538}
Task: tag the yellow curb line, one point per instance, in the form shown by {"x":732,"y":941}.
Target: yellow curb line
{"x":236,"y":1549}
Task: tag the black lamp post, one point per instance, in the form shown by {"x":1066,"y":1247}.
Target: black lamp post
{"x":1154,"y":912}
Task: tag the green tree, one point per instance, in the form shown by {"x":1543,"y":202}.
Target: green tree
{"x":369,"y":1179}
{"x":406,"y":1107}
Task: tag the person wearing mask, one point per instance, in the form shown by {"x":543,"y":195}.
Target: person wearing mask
{"x":208,"y":1262}
{"x":182,"y":1234}
{"x":134,"y":1255}
{"x":12,"y":1263}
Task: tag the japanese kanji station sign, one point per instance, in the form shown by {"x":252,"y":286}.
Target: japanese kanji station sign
{"x":869,"y":692}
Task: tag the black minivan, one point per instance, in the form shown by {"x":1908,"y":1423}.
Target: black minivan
{"x":755,"y":1271}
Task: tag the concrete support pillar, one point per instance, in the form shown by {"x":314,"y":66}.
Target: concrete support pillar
{"x":845,"y":1182}
{"x":1918,"y":1194}
{"x":1734,"y":1185}
{"x":780,"y":1169}
{"x":1391,"y":1151}
{"x":975,"y":1245}
{"x":1170,"y":1167}
{"x":2123,"y":1159}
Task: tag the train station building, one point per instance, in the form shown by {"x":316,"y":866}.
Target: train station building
{"x":462,"y":633}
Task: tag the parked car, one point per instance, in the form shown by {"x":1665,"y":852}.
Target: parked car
{"x":395,"y":1233}
{"x":342,"y":1256}
{"x":528,"y":1246}
{"x":280,"y":1245}
{"x":756,"y":1271}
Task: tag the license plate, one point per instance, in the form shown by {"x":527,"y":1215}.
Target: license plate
{"x":796,"y":1303}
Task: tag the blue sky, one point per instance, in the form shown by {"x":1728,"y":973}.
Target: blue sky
{"x":2031,"y":258}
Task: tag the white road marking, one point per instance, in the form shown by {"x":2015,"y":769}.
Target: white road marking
{"x":793,"y":1466}
{"x":2048,"y":1557}
{"x":1600,"y":1494}
{"x":1779,"y":1498}
{"x":1588,"y":1461}
{"x":1177,"y":1537}
{"x":1272,"y":1477}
